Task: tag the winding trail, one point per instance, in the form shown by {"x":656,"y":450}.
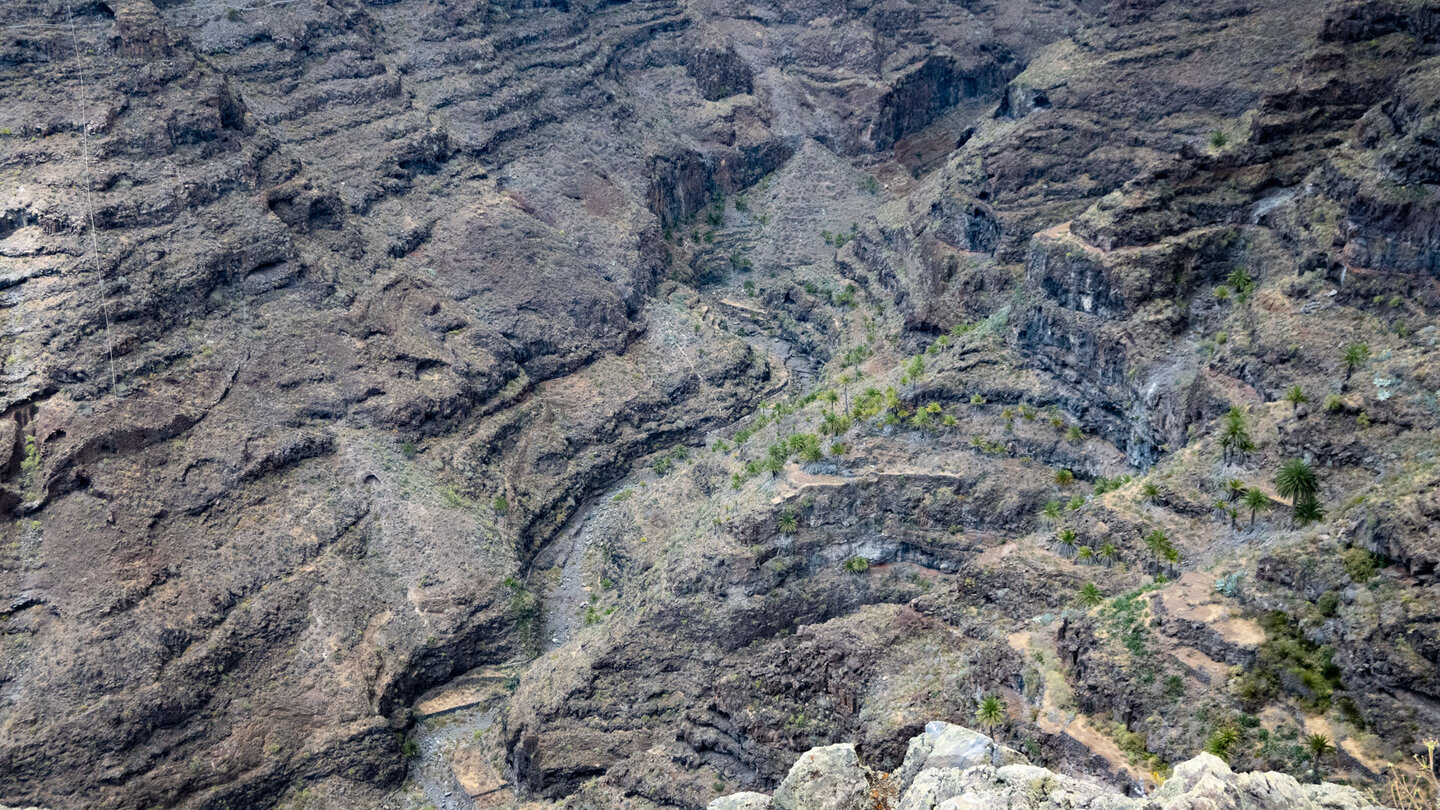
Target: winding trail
{"x":445,"y":773}
{"x":563,"y":603}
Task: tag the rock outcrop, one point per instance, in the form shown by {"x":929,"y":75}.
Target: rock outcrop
{"x":953,"y":768}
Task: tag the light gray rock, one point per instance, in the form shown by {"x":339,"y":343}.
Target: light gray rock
{"x":741,"y":801}
{"x":950,"y":767}
{"x":1327,"y":796}
{"x":946,"y":745}
{"x":829,"y":778}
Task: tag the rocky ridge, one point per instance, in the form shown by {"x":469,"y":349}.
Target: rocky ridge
{"x":949,"y":767}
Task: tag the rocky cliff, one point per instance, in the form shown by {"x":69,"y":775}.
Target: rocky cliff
{"x":437,"y":402}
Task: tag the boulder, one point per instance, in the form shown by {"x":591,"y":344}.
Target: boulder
{"x":741,"y":801}
{"x":828,"y":778}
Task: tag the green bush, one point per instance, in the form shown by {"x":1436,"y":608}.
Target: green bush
{"x":1360,"y":564}
{"x":1287,"y":662}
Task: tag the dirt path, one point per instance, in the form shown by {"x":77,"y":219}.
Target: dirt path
{"x":564,"y":602}
{"x":450,"y":770}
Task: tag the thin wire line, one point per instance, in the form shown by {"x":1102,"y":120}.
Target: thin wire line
{"x":89,"y":200}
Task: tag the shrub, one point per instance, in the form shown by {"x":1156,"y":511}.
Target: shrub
{"x":1289,"y":662}
{"x":1360,"y":564}
{"x":500,"y":505}
{"x":1218,"y":139}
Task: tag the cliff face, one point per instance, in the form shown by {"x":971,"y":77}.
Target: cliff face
{"x":336,"y":330}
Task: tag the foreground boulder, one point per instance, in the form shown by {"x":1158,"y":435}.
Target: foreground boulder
{"x":949,"y":767}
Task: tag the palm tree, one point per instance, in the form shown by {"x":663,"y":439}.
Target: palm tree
{"x":1319,"y":745}
{"x":1108,"y":553}
{"x":774,"y":465}
{"x":810,"y":449}
{"x":1296,"y":481}
{"x":1354,"y":356}
{"x":1064,"y":478}
{"x":829,"y":397}
{"x":1090,"y":595}
{"x":1234,"y":436}
{"x":990,"y":714}
{"x":1051,"y":512}
{"x":1295,"y":395}
{"x":1256,"y":501}
{"x":1222,"y":741}
{"x":1156,"y":542}
{"x":1234,"y":488}
{"x":1309,"y":511}
{"x":787,"y":522}
{"x":1067,"y":540}
{"x":1150,"y":491}
{"x":1085,"y":554}
{"x":914,"y":370}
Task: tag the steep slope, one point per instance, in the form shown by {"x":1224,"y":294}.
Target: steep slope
{"x":337,"y":329}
